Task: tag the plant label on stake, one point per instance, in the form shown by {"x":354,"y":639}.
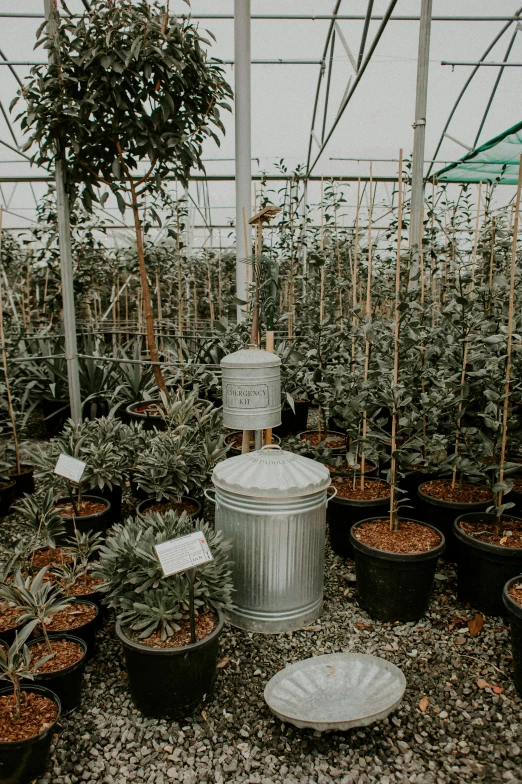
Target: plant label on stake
{"x":72,"y":471}
{"x":183,"y":555}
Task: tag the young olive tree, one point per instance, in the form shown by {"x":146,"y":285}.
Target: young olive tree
{"x":128,"y":99}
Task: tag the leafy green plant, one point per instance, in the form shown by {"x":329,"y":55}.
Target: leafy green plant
{"x":134,"y":584}
{"x":40,"y":519}
{"x":81,"y":550}
{"x":16,"y":665}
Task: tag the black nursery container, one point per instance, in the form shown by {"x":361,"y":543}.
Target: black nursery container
{"x":97,"y":522}
{"x":149,"y":422}
{"x":24,"y":761}
{"x":114,"y":497}
{"x":170,"y":683}
{"x":67,"y":683}
{"x":87,"y":632}
{"x":442,"y":514}
{"x":55,"y":413}
{"x":293,"y":423}
{"x":394,"y":586}
{"x":515,"y":618}
{"x":343,"y":513}
{"x":24,"y":481}
{"x":410,"y":483}
{"x":482,"y":568}
{"x":7,"y":496}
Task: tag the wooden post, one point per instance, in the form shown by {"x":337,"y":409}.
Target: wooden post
{"x":394,"y":512}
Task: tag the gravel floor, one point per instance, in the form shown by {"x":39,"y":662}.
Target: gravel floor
{"x":466,"y":733}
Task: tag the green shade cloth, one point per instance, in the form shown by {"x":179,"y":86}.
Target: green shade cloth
{"x":495,"y":161}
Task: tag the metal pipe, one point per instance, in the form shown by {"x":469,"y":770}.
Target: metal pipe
{"x":495,"y":87}
{"x":481,"y":64}
{"x":364,"y":36}
{"x":231,"y":177}
{"x":304,"y":17}
{"x":66,"y":264}
{"x":243,"y":141}
{"x":275,"y":61}
{"x":419,"y":127}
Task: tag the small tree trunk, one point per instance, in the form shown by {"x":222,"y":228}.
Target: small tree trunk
{"x":149,"y":318}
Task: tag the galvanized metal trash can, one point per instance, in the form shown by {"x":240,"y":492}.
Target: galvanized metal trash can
{"x":251,"y":389}
{"x":272,"y":505}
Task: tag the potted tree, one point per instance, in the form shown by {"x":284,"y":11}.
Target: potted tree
{"x":170,"y":642}
{"x":29,"y":713}
{"x":44,"y":527}
{"x":155,"y":97}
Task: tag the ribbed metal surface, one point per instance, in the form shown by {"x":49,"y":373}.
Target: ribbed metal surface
{"x":251,"y":390}
{"x":278,"y":555}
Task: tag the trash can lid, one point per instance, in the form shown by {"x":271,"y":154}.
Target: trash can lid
{"x":247,"y":357}
{"x":271,"y":473}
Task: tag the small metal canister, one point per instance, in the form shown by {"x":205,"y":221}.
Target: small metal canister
{"x":251,"y":390}
{"x":272,"y":505}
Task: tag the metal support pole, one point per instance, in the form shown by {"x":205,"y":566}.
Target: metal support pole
{"x":66,"y":266}
{"x":242,"y":108}
{"x":417,"y":175}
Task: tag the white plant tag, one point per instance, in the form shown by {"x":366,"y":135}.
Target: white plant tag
{"x":70,"y":467}
{"x":186,"y":552}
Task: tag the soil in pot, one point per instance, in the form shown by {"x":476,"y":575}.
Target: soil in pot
{"x":341,"y":466}
{"x":79,"y":618}
{"x":235,"y":441}
{"x":94,"y":514}
{"x":186,"y":504}
{"x":512,"y":596}
{"x":441,"y":504}
{"x":331,"y":440}
{"x":24,"y":481}
{"x":48,"y":556}
{"x":149,"y":413}
{"x":487,"y":559}
{"x":63,"y":674}
{"x":351,"y":504}
{"x":9,"y":623}
{"x":7,"y":497}
{"x":25,"y":745}
{"x":171,"y":681}
{"x":395,"y":570}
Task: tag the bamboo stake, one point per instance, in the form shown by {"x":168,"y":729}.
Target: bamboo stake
{"x":461,"y":406}
{"x":4,"y":362}
{"x":509,"y":349}
{"x":209,"y":285}
{"x":475,"y":240}
{"x":394,"y":512}
{"x":368,"y":311}
{"x":491,"y":260}
{"x":354,"y":274}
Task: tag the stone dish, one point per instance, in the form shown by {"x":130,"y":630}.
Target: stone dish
{"x":336,"y":691}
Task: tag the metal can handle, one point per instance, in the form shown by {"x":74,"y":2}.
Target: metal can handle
{"x":272,"y":446}
{"x":206,"y":492}
{"x":331,"y":495}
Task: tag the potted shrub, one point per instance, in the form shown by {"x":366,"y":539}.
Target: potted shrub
{"x":169,"y":675}
{"x":44,"y":527}
{"x":512,"y":597}
{"x":29,"y":714}
{"x":75,"y":575}
{"x":40,"y":602}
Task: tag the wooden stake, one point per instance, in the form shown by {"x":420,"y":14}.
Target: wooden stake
{"x":4,"y":362}
{"x":394,"y":512}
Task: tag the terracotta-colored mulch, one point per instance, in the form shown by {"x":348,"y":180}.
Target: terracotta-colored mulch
{"x":467,"y":494}
{"x":178,"y":506}
{"x":205,"y":625}
{"x":151,"y":409}
{"x":333,"y":440}
{"x":37,"y":713}
{"x":72,"y":617}
{"x":49,"y":557}
{"x":86,"y":586}
{"x":9,"y":618}
{"x":373,"y":488}
{"x":517,"y":484}
{"x":345,"y":467}
{"x":23,"y":470}
{"x":66,"y":653}
{"x":486,"y":531}
{"x":236,"y":440}
{"x":5,"y":485}
{"x":410,"y":538}
{"x":85,"y":508}
{"x":516,"y":593}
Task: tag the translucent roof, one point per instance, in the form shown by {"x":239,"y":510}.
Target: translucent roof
{"x":497,"y":160}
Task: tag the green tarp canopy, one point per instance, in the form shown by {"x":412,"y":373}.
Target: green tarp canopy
{"x":495,"y":161}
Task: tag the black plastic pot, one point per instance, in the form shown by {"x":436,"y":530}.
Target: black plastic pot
{"x":136,"y":491}
{"x":24,"y":481}
{"x":7,"y":496}
{"x":394,"y":586}
{"x":234,"y":451}
{"x":410,"y":483}
{"x":25,"y":760}
{"x":340,"y":450}
{"x":170,"y":683}
{"x":442,"y":514}
{"x":293,"y":423}
{"x":56,"y":413}
{"x":95,"y":408}
{"x":483,"y":569}
{"x":515,"y":618}
{"x":343,"y":513}
{"x":148,"y":422}
{"x":87,"y":632}
{"x":67,"y":683}
{"x":98,"y":522}
{"x":114,"y":496}
{"x":143,"y":506}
